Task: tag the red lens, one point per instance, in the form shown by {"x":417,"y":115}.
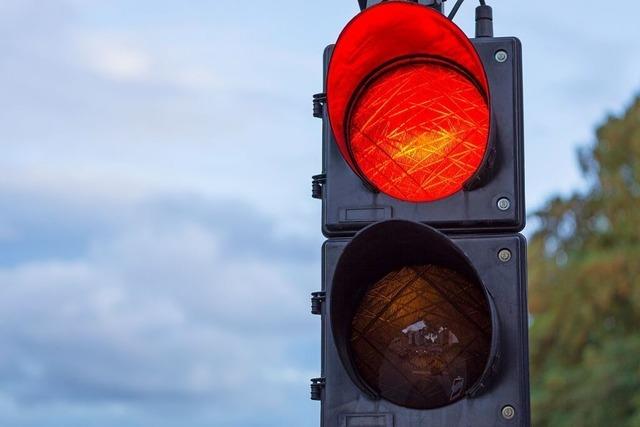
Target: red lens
{"x":418,"y":130}
{"x":408,"y":101}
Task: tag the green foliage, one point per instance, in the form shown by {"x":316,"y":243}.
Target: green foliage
{"x":584,"y":290}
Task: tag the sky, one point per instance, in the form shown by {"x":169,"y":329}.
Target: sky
{"x":158,"y":241}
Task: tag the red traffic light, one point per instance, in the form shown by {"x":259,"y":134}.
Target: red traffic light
{"x":408,"y":101}
{"x":415,"y":321}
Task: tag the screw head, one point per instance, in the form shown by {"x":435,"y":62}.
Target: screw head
{"x":501,"y":56}
{"x":504,"y":204}
{"x":508,"y":412}
{"x":504,"y":255}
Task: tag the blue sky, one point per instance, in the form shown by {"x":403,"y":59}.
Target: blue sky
{"x":157,"y":239}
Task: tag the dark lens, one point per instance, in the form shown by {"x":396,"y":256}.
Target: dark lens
{"x":422,"y":336}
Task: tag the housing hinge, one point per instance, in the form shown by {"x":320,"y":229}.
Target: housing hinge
{"x":317,"y":299}
{"x":317,"y":182}
{"x":319,"y":99}
{"x":317,"y":385}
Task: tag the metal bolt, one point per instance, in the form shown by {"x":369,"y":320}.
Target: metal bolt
{"x":501,"y":56}
{"x":508,"y":412}
{"x":504,"y":204}
{"x":504,"y":255}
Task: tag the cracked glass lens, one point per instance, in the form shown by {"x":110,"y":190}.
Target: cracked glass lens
{"x":422,"y":336}
{"x":419,"y":130}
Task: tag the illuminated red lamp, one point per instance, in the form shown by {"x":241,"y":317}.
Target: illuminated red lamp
{"x":408,"y":101}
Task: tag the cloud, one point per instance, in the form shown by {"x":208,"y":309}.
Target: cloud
{"x":118,"y":61}
{"x":123,"y":58}
{"x":172,"y":303}
{"x":54,"y":217}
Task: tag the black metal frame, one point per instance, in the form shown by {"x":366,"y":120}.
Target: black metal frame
{"x":350,"y":205}
{"x":471,"y":221}
{"x":344,"y":404}
{"x":386,"y":246}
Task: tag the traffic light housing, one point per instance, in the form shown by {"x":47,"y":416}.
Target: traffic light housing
{"x":493,"y":198}
{"x":499,"y":385}
{"x":423,"y":299}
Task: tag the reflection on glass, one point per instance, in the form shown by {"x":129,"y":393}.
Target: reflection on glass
{"x":418,"y":131}
{"x":422,"y":336}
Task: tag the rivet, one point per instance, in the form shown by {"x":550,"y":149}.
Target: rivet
{"x":504,"y":255}
{"x":508,"y":412}
{"x":504,"y":204}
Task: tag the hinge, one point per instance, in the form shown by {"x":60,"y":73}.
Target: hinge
{"x":319,"y":99}
{"x":317,"y":182}
{"x":317,"y":385}
{"x":317,"y":299}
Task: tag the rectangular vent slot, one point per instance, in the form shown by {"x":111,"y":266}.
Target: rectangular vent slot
{"x":366,"y":420}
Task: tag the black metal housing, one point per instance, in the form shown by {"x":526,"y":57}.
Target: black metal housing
{"x":346,"y":404}
{"x":350,"y":205}
{"x":384,"y":247}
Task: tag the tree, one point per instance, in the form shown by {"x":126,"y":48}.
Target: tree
{"x":584,"y":289}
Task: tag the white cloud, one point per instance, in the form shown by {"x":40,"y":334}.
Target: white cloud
{"x":121,"y":57}
{"x":118,"y":61}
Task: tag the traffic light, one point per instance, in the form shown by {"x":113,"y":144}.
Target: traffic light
{"x":423,"y":300}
